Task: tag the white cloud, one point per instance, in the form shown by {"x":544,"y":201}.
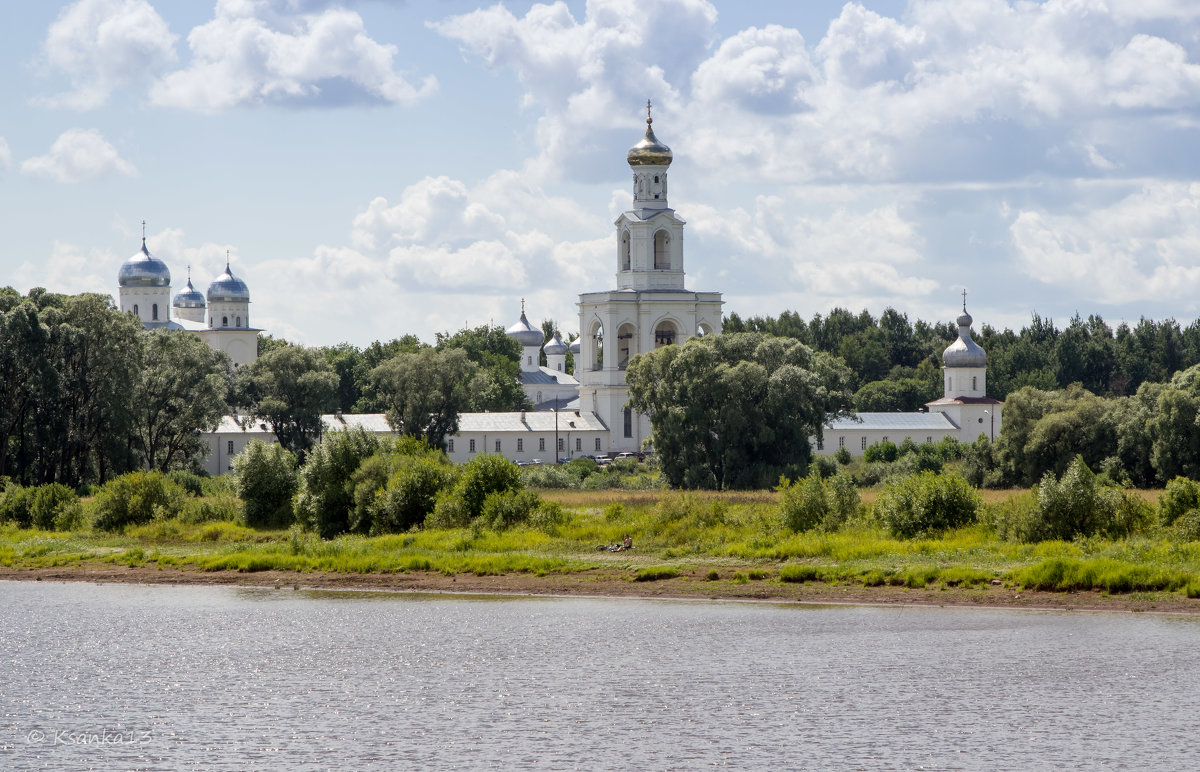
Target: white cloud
{"x":591,"y":77}
{"x":71,"y":269}
{"x":934,"y":92}
{"x":249,"y":54}
{"x":1144,"y":247}
{"x":100,"y":45}
{"x":78,"y":155}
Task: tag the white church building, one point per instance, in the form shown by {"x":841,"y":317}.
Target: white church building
{"x":222,"y":321}
{"x":964,"y":411}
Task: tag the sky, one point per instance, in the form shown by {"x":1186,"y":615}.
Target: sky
{"x":375,"y":168}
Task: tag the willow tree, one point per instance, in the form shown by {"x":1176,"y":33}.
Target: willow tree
{"x":736,"y":410}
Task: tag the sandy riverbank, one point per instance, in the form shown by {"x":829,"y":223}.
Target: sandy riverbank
{"x":692,"y":585}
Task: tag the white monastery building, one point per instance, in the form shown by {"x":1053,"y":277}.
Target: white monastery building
{"x":964,"y":412}
{"x":584,"y":412}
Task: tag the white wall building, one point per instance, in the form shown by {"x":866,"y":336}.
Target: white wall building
{"x":964,"y":412}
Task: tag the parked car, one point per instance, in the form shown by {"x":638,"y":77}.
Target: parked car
{"x":626,"y":454}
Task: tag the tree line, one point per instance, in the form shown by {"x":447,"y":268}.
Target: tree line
{"x":87,"y":394}
{"x":895,"y":364}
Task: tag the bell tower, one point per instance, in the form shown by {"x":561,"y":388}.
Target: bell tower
{"x":650,"y":307}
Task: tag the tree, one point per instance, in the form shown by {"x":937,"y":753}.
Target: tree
{"x":1175,"y":448}
{"x":737,"y":410}
{"x":326,"y":495}
{"x":180,"y":392}
{"x":425,"y":392}
{"x":266,"y":482}
{"x":495,"y":387}
{"x":290,"y":388}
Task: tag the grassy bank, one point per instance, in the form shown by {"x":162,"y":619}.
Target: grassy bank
{"x":725,"y":539}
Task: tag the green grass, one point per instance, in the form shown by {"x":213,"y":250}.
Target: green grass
{"x":737,"y":537}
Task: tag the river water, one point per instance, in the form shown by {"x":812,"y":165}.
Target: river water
{"x":165,"y":678}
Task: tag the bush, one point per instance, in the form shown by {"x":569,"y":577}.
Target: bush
{"x":886,"y":452}
{"x":1181,"y":496}
{"x":804,"y":503}
{"x":191,"y":482}
{"x":926,"y":503}
{"x":16,"y":505}
{"x":547,"y":476}
{"x":135,"y":499}
{"x":410,"y":495}
{"x":1187,"y":526}
{"x":482,"y":476}
{"x":842,"y":456}
{"x":211,"y":510}
{"x":266,"y":482}
{"x":504,"y":509}
{"x":49,"y":503}
{"x":326,"y":497}
{"x":1077,"y":505}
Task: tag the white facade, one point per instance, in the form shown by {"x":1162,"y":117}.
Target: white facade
{"x":520,"y":436}
{"x":651,"y":306}
{"x":964,"y":411}
{"x":223,"y":322}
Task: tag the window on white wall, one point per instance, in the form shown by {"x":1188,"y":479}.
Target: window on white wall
{"x":597,"y":443}
{"x":450,"y":446}
{"x":497,"y":446}
{"x":561,"y":445}
{"x":841,"y":442}
{"x":864,"y":443}
{"x":578,"y":443}
{"x":471,"y":449}
{"x":229,"y":447}
{"x":541,"y":443}
{"x":520,"y":445}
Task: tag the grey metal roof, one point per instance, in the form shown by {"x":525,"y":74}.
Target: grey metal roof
{"x":228,"y":288}
{"x":525,"y":333}
{"x":530,"y":421}
{"x":190,"y":297}
{"x":144,"y":270}
{"x":547,"y":376}
{"x":964,"y":352}
{"x":892,"y":421}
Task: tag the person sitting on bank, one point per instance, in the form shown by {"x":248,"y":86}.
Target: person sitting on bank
{"x":628,"y":543}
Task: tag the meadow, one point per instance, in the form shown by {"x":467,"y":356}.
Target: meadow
{"x":723,"y":539}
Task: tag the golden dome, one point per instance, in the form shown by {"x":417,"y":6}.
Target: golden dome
{"x":649,"y":152}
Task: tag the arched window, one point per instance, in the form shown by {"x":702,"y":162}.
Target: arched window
{"x":974,"y":383}
{"x":224,"y":321}
{"x":135,"y":310}
{"x":239,"y":321}
{"x":664,"y":334}
{"x":625,"y":345}
{"x":628,"y":422}
{"x":154,"y":312}
{"x":625,"y":260}
{"x":597,"y":346}
{"x":662,"y":260}
{"x":661,"y":257}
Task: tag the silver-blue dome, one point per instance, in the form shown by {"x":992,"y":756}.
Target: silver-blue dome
{"x":190,"y":297}
{"x":574,"y":347}
{"x":964,"y":352}
{"x":525,"y":333}
{"x":228,"y":288}
{"x":144,"y":270}
{"x":555,"y":347}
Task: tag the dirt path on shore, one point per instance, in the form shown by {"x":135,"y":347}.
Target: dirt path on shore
{"x":693,"y":585}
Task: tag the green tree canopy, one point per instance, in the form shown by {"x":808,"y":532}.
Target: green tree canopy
{"x":425,"y":392}
{"x":180,"y":392}
{"x":735,"y":410}
{"x":289,"y":387}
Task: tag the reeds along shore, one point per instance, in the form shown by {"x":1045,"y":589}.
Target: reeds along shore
{"x":717,"y":538}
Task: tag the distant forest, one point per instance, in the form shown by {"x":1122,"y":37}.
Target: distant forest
{"x":897,"y":363}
